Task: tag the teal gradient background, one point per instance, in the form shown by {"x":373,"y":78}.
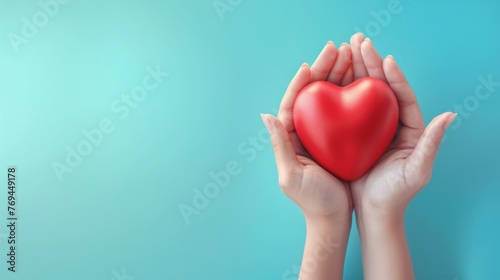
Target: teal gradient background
{"x":116,"y":215}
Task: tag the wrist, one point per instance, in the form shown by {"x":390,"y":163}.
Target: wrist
{"x":380,"y":220}
{"x":323,"y":226}
{"x":328,"y":221}
{"x":379,"y":214}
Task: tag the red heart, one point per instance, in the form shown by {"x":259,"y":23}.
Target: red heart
{"x":346,"y":129}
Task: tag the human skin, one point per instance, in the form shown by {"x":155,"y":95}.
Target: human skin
{"x":380,"y":197}
{"x":324,"y":199}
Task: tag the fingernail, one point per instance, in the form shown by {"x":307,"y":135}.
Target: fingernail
{"x":344,"y":45}
{"x":449,"y":121}
{"x":329,"y":43}
{"x":369,"y":40}
{"x":267,"y":122}
{"x":391,"y":57}
{"x":304,"y":65}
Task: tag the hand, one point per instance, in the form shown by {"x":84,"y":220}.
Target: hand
{"x":325,"y":200}
{"x":382,"y":194}
{"x":406,"y":167}
{"x":317,"y":192}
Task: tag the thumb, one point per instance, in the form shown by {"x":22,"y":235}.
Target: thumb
{"x":284,"y":153}
{"x":422,"y":159}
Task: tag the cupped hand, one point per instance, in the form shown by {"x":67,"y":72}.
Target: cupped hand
{"x":318,"y":193}
{"x":406,"y":167}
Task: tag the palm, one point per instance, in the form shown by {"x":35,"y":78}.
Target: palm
{"x":384,"y":181}
{"x":322,"y":193}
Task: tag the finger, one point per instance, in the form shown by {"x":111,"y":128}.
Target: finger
{"x":372,"y":59}
{"x":358,"y":64}
{"x":421,"y":161}
{"x":286,"y":159}
{"x":409,"y":111}
{"x":348,"y":76}
{"x":323,"y":64}
{"x":341,"y":64}
{"x":298,"y":82}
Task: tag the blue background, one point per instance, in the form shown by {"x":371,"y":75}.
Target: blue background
{"x":116,"y":215}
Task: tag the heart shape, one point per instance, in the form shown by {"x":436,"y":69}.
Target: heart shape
{"x":346,"y":129}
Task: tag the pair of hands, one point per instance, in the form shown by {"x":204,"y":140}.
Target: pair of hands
{"x":403,"y":170}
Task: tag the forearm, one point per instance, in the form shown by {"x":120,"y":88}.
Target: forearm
{"x":325,"y":249}
{"x":385,"y":249}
